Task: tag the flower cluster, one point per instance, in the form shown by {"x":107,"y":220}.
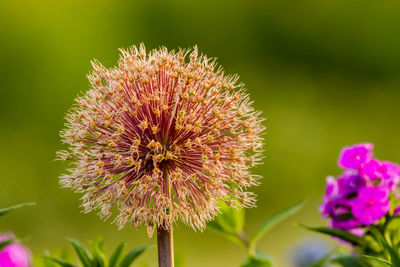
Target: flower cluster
{"x":360,"y":195}
{"x":162,"y":137}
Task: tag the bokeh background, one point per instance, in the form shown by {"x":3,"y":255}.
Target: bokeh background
{"x":324,"y":73}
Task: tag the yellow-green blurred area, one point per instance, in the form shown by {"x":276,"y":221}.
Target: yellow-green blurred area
{"x":324,"y":73}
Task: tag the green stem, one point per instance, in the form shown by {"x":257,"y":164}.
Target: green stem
{"x":250,"y":246}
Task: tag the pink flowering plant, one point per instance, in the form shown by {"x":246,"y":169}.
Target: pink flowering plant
{"x":362,"y":204}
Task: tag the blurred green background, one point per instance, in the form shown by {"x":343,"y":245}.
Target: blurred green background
{"x":324,"y":73}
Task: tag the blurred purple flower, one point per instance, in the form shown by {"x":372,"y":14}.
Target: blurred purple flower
{"x":396,"y":211}
{"x":345,"y":223}
{"x":331,"y":187}
{"x":386,"y":172}
{"x":14,"y":254}
{"x":352,"y":157}
{"x":337,"y":200}
{"x":391,"y":175}
{"x":309,"y":252}
{"x":390,"y":169}
{"x":335,"y":207}
{"x":372,"y":169}
{"x":329,"y":205}
{"x":371,"y":204}
{"x":350,"y":183}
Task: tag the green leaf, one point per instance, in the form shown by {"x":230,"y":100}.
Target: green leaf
{"x":353,"y":239}
{"x":116,"y":255}
{"x":349,"y":261}
{"x":382,"y":262}
{"x":83,"y":254}
{"x":233,"y":237}
{"x":389,"y":250}
{"x":274,"y":220}
{"x":257,"y":261}
{"x":59,"y":262}
{"x":3,"y":244}
{"x":9,"y":209}
{"x":216,"y":226}
{"x":133,"y":254}
{"x":99,"y":258}
{"x":394,"y":256}
{"x":231,"y":219}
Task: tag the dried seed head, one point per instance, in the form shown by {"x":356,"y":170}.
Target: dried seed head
{"x":162,"y":138}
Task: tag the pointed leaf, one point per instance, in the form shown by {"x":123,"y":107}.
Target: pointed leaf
{"x":83,"y":254}
{"x":394,"y":256}
{"x":116,"y":255}
{"x":9,"y":209}
{"x":216,"y":226}
{"x":99,"y":258}
{"x":133,"y":254}
{"x":382,"y":262}
{"x":233,"y":237}
{"x":346,"y":236}
{"x":59,"y":262}
{"x":274,"y":220}
{"x":389,"y":250}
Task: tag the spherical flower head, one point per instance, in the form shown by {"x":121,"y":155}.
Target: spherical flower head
{"x":353,"y":157}
{"x":371,"y":204}
{"x":163,"y":136}
{"x":14,"y":254}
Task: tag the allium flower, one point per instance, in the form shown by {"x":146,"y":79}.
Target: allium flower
{"x":371,"y":204}
{"x":14,"y":254}
{"x":352,"y":157}
{"x":162,"y":137}
{"x":360,"y":195}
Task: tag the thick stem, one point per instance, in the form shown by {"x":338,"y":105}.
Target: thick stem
{"x":165,"y":246}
